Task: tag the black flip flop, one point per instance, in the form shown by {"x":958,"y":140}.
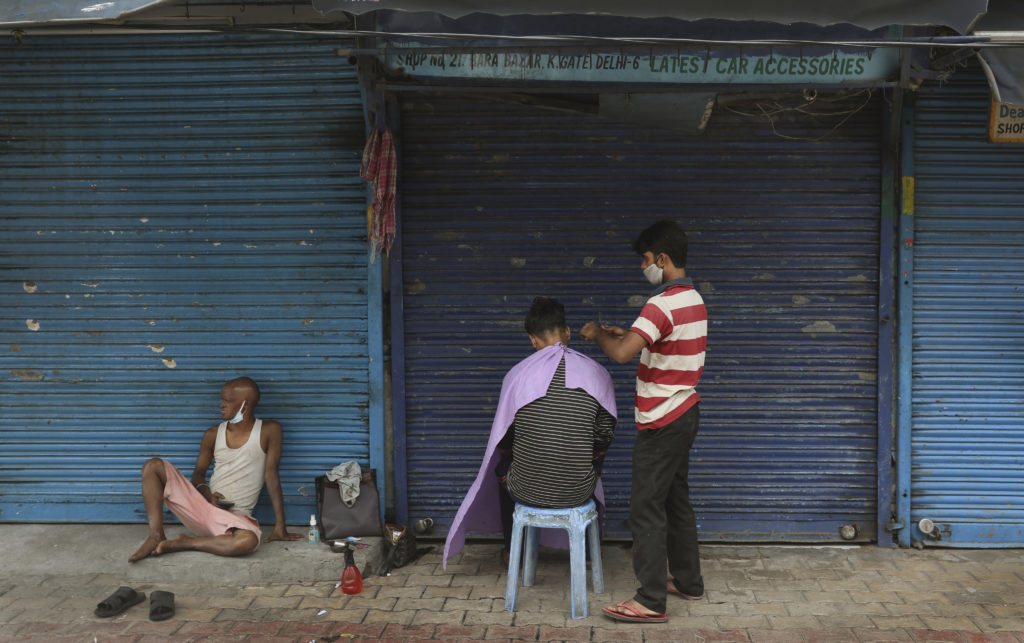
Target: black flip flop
{"x":118,"y":602}
{"x":161,"y":605}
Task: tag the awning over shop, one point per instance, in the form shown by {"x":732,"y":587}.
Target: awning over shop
{"x":38,"y":11}
{"x":1004,"y":65}
{"x":701,"y":52}
{"x":870,"y":14}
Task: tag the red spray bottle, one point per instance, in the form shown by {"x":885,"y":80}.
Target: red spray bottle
{"x":351,"y":579}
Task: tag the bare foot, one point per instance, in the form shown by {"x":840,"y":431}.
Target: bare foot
{"x":146,"y":549}
{"x":178,"y":544}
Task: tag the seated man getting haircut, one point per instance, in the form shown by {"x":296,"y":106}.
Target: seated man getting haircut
{"x":245,"y":452}
{"x":555,"y":419}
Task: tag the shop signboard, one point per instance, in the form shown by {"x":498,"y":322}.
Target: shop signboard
{"x":1006,"y":123}
{"x":860,"y":66}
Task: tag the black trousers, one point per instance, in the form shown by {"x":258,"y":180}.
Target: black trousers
{"x":660,"y":515}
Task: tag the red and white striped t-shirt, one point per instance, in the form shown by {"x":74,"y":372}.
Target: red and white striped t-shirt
{"x":675,"y":324}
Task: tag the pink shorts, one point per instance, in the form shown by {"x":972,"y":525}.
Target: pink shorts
{"x":197,"y":513}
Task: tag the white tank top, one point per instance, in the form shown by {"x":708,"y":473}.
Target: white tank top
{"x":239,"y":473}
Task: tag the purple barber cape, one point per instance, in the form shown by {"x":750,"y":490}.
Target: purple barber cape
{"x":527,"y":381}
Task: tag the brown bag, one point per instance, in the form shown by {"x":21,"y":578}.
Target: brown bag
{"x":338,"y":521}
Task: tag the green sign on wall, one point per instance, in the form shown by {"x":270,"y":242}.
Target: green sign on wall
{"x":837,"y":67}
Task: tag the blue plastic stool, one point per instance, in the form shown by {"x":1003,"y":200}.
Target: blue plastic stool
{"x":580,"y":522}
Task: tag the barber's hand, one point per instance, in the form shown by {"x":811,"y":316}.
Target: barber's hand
{"x":282,"y":533}
{"x":614,"y":331}
{"x":590,"y":331}
{"x":215,"y":498}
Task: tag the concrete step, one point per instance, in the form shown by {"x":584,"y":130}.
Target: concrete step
{"x":43,"y":549}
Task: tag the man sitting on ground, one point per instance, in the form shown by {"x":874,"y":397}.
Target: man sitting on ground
{"x":555,"y":419}
{"x":245,"y":452}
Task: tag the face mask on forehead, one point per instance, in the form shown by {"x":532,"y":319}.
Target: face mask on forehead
{"x":238,"y":416}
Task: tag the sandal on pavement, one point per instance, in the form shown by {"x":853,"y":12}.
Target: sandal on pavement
{"x":675,"y":592}
{"x":161,"y":605}
{"x":636,"y":617}
{"x":118,"y":602}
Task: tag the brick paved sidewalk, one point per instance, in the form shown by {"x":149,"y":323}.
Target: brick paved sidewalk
{"x":754,"y":594}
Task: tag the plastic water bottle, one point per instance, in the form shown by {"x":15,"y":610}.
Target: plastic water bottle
{"x":314,"y":533}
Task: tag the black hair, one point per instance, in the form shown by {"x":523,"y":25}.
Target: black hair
{"x":663,"y":237}
{"x":546,"y":315}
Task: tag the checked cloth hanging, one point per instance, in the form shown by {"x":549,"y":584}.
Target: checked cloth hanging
{"x":379,"y":166}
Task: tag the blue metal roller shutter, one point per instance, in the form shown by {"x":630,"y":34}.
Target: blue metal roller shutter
{"x":177,"y":210}
{"x":502,"y":203}
{"x":968,"y":328}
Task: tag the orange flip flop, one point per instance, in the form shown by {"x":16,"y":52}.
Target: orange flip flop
{"x":636,"y":617}
{"x":675,"y":592}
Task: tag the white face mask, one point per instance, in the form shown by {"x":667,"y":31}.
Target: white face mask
{"x":654,"y":274}
{"x":238,"y":416}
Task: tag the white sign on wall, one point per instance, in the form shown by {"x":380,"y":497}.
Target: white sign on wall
{"x":1006,"y":124}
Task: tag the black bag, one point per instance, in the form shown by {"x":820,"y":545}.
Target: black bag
{"x":399,"y":546}
{"x":338,"y":521}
